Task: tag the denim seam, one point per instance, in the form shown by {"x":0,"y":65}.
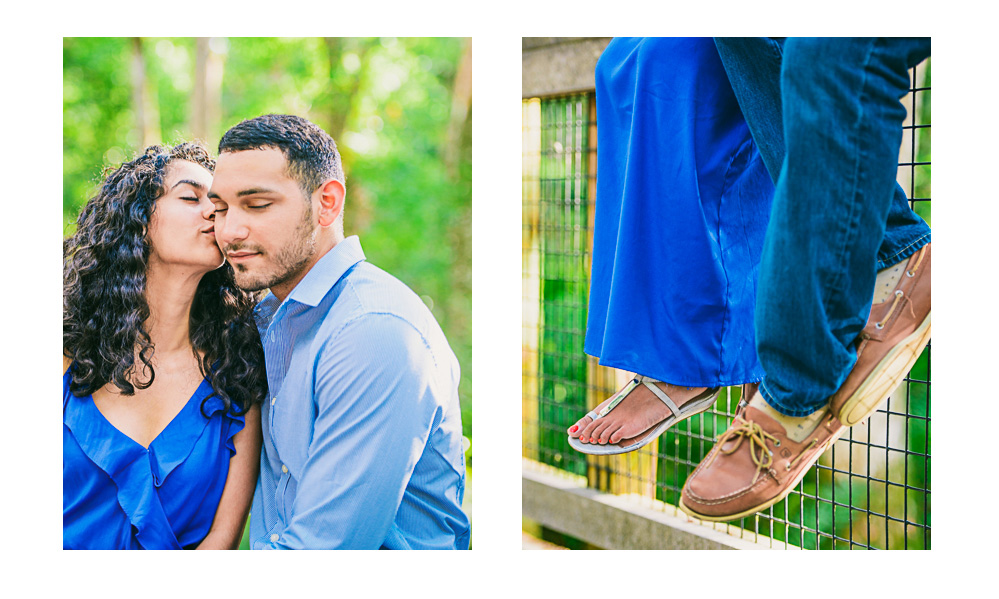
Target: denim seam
{"x":776,"y":48}
{"x":854,"y":216}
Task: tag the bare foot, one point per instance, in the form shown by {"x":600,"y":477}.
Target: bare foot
{"x":638,"y":412}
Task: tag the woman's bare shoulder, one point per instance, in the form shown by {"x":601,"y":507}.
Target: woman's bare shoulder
{"x":65,"y":364}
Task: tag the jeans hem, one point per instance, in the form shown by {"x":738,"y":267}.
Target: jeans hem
{"x":796,"y":412}
{"x":905,"y":252}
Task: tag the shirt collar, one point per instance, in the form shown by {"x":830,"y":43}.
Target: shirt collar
{"x":325,"y":273}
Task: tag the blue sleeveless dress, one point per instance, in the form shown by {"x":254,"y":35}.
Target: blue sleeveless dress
{"x":118,"y":494}
{"x":683,"y":201}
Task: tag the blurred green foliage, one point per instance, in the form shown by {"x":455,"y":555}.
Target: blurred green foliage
{"x":394,"y":106}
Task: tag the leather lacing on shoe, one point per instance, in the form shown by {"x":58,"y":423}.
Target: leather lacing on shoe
{"x":898,"y":292}
{"x":802,"y":454}
{"x":919,"y":260}
{"x":758,"y":450}
{"x":898,"y":297}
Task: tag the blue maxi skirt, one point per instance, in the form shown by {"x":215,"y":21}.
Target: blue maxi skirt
{"x":683,"y":201}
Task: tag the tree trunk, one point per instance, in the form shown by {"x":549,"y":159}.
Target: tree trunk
{"x":461,"y":105}
{"x":144,"y":104}
{"x":341,"y":98}
{"x":206,"y":108}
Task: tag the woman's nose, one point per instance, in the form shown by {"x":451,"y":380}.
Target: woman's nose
{"x":207,"y":209}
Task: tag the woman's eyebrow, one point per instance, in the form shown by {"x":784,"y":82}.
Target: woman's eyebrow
{"x":192,"y":183}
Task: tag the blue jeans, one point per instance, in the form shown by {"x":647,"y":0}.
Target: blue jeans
{"x":826,"y":116}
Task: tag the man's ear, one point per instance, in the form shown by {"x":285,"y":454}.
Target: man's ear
{"x":331,"y":196}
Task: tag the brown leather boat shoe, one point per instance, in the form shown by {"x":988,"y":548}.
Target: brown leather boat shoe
{"x":753,"y":466}
{"x":891,"y":342}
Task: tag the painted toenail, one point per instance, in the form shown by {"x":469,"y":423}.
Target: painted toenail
{"x":574,"y":428}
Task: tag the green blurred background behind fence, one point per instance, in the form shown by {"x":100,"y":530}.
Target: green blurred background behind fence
{"x":400,"y":110}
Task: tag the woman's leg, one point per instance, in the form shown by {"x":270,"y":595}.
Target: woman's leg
{"x":683,"y":199}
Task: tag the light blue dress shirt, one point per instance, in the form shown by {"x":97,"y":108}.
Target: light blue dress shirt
{"x":362,"y":430}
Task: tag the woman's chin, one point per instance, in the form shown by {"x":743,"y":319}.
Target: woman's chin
{"x":211,"y":262}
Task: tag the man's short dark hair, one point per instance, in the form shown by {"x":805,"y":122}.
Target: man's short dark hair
{"x":311,"y":153}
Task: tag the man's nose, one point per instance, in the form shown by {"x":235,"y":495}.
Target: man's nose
{"x":229,"y":227}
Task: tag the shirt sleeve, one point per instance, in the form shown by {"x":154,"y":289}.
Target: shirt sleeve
{"x":378,"y":401}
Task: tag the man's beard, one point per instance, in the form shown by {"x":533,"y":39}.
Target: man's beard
{"x":288,"y":263}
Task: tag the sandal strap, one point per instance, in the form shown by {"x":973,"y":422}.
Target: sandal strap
{"x":648,"y":382}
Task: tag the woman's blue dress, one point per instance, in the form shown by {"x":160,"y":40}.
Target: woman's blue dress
{"x":683,"y":200}
{"x":118,"y":494}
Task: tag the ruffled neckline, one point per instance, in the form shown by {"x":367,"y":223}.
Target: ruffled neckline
{"x":139,"y":471}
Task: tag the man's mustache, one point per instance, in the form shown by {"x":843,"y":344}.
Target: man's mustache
{"x":241,"y":247}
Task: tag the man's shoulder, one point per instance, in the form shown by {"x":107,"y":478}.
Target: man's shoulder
{"x":371,"y":291}
{"x":374,"y":307}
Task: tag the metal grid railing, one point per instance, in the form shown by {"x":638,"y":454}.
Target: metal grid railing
{"x":870,"y":490}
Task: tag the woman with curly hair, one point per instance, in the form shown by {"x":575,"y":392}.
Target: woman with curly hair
{"x":163,"y":366}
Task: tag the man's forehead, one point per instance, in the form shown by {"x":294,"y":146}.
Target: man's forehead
{"x":250,"y":168}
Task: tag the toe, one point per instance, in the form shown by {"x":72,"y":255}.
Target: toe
{"x":599,"y":433}
{"x":577,"y":428}
{"x":586,"y":434}
{"x":616,"y":435}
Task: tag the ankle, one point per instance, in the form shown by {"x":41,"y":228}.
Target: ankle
{"x":798,"y":428}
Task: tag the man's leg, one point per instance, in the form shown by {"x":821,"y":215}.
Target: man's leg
{"x":838,"y":216}
{"x":834,"y":103}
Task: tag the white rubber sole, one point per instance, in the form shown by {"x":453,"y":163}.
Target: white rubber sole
{"x":885,"y":377}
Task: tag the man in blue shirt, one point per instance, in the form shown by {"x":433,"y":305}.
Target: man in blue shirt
{"x":362,"y":428}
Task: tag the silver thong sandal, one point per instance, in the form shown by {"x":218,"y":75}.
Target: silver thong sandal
{"x":698,"y":404}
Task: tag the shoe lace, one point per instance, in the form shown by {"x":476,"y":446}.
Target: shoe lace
{"x":802,"y":454}
{"x":898,"y":298}
{"x":898,"y":292}
{"x":919,"y":260}
{"x":758,"y":450}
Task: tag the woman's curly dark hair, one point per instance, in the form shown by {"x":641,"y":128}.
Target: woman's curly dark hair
{"x":104,"y":302}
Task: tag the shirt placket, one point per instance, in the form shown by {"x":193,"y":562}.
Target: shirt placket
{"x":277,"y":338}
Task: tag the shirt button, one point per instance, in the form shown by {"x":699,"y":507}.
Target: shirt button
{"x":274,"y":538}
{"x":273,"y":401}
{"x":284,"y":469}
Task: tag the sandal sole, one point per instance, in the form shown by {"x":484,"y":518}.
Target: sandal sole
{"x":698,"y":407}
